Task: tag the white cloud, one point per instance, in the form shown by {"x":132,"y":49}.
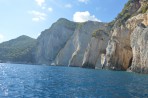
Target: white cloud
{"x":68,"y":6}
{"x":35,"y":19}
{"x":38,"y":16}
{"x":83,"y":1}
{"x":84,"y":16}
{"x":39,"y":34}
{"x":1,"y":37}
{"x":43,"y":7}
{"x":50,"y":9}
{"x":40,"y":2}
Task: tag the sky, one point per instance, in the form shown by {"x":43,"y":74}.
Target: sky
{"x":31,"y":17}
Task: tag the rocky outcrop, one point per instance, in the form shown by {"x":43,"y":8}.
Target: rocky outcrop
{"x":139,"y":44}
{"x":52,"y":40}
{"x":65,"y":42}
{"x":119,"y":51}
{"x":73,"y":51}
{"x":96,"y":49}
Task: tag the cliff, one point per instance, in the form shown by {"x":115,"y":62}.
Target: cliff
{"x":65,"y":42}
{"x":96,"y":49}
{"x":75,"y":47}
{"x":139,"y":44}
{"x":52,"y":40}
{"x":113,"y":47}
{"x":122,"y":52}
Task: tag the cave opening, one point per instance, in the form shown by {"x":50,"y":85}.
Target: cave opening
{"x":130,"y":62}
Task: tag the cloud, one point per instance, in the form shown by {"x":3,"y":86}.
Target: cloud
{"x":84,"y":16}
{"x":50,"y":9}
{"x":38,"y":16}
{"x":40,"y":2}
{"x":39,"y":34}
{"x":68,"y":6}
{"x":1,"y":37}
{"x":43,"y":7}
{"x":83,"y":1}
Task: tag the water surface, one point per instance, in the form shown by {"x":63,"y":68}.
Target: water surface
{"x":34,"y":81}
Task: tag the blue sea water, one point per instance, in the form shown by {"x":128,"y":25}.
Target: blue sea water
{"x":36,"y":81}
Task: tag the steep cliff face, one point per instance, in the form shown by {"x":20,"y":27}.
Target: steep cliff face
{"x":73,"y":51}
{"x":96,"y":49}
{"x":65,"y":42}
{"x":83,"y":37}
{"x":139,"y":44}
{"x":119,"y":53}
{"x":52,"y":40}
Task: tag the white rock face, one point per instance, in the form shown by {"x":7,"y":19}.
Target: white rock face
{"x":85,"y":34}
{"x":73,"y":52}
{"x":119,"y":53}
{"x":103,"y":56}
{"x":139,"y":43}
{"x":52,"y":40}
{"x":65,"y":42}
{"x":96,"y":50}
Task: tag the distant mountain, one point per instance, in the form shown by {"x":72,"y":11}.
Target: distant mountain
{"x":19,"y":50}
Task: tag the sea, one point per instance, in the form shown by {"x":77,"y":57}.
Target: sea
{"x":41,"y":81}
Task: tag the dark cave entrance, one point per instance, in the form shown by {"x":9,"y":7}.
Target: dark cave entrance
{"x":130,"y":62}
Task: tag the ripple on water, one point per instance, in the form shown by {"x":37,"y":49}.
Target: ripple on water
{"x":18,"y":80}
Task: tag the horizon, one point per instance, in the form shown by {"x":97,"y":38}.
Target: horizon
{"x":33,"y":17}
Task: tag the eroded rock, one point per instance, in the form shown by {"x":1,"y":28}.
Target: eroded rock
{"x":139,"y":44}
{"x":96,"y":50}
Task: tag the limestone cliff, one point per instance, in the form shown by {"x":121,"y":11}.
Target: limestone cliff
{"x":96,"y":48}
{"x":65,"y":42}
{"x":52,"y":40}
{"x":73,"y":52}
{"x":120,"y":51}
{"x":139,"y":44}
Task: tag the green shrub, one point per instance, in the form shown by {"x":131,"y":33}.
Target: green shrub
{"x":144,"y":9}
{"x":97,"y":33}
{"x":79,"y":25}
